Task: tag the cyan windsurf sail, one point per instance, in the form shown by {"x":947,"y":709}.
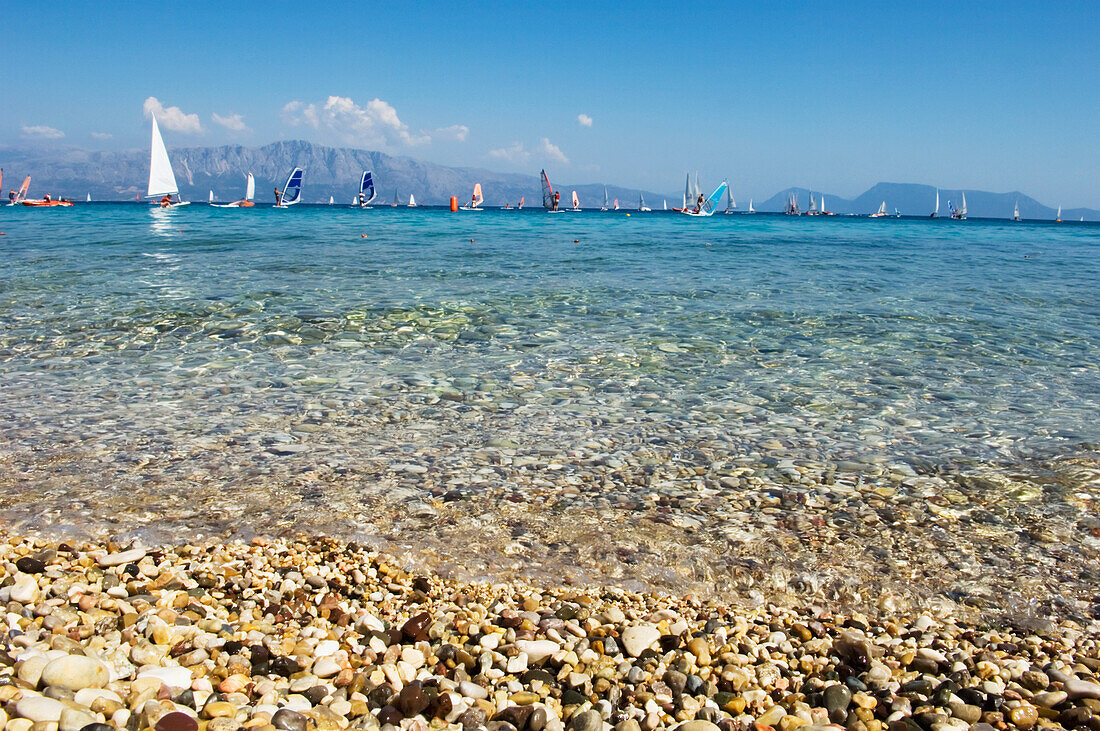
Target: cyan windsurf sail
{"x":712,"y":202}
{"x":292,"y":191}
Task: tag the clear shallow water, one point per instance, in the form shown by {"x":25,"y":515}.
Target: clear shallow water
{"x":679,"y":403}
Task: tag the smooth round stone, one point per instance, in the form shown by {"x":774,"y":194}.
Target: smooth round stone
{"x":176,"y":678}
{"x":472,"y":690}
{"x":1077,"y":688}
{"x":837,"y":699}
{"x":772,"y":716}
{"x":326,"y":667}
{"x":638,"y":638}
{"x":74,"y":720}
{"x":30,"y":565}
{"x":587,"y":721}
{"x":98,"y":727}
{"x":24,"y":590}
{"x":1024,"y":716}
{"x":537,"y":650}
{"x":1050,"y":699}
{"x":288,"y":720}
{"x":219,"y":709}
{"x":39,"y":708}
{"x":30,"y":671}
{"x":176,"y":721}
{"x":76,"y":672}
{"x":123,"y":557}
{"x":697,"y":725}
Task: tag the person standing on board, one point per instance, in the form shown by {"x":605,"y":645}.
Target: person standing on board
{"x":11,"y":197}
{"x":557,"y":199}
{"x":278,"y":197}
{"x":362,"y":200}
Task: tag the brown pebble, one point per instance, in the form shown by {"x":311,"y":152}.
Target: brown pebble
{"x":176,"y":721}
{"x":1024,"y":717}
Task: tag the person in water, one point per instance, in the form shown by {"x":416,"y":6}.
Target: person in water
{"x":557,"y":199}
{"x":278,"y":197}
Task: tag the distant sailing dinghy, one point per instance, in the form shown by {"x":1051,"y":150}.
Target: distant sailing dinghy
{"x":709,"y":204}
{"x":959,"y":214}
{"x":210,"y":199}
{"x":642,"y":207}
{"x":291,"y":194}
{"x":366,"y":191}
{"x":881,"y":212}
{"x":412,"y":201}
{"x":475,"y":200}
{"x":249,"y":194}
{"x":731,"y":204}
{"x":615,"y":204}
{"x":751,"y":209}
{"x":604,"y":206}
{"x":89,"y":198}
{"x":1058,"y":217}
{"x":1016,"y":212}
{"x":331,"y":200}
{"x":936,"y":210}
{"x":162,"y":181}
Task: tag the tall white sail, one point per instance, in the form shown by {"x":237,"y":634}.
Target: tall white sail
{"x":89,"y":197}
{"x":250,"y":188}
{"x":687,"y":190}
{"x":1016,"y":211}
{"x":576,"y":201}
{"x":162,"y":181}
{"x":412,"y":201}
{"x":821,"y":204}
{"x":210,"y":199}
{"x":604,"y":199}
{"x":936,"y":211}
{"x":963,"y":209}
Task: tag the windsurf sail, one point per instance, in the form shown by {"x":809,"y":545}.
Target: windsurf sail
{"x":712,"y":202}
{"x":1016,"y":211}
{"x":162,"y":181}
{"x":22,"y":194}
{"x":521,"y":199}
{"x":366,"y":186}
{"x":211,"y":198}
{"x":604,"y":199}
{"x":576,"y":201}
{"x":477,"y":198}
{"x":89,"y":198}
{"x":751,"y":209}
{"x":292,"y":191}
{"x":615,"y":204}
{"x":547,"y":192}
{"x":687,"y":190}
{"x":730,"y":202}
{"x":331,"y":200}
{"x":250,"y":188}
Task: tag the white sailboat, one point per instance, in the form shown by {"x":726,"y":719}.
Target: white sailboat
{"x":1058,"y":218}
{"x":249,"y":194}
{"x":576,"y":202}
{"x":1016,"y":211}
{"x":210,"y":198}
{"x":731,"y":204}
{"x":881,"y":212}
{"x":642,"y":207}
{"x":936,"y":210}
{"x":396,"y":198}
{"x":162,"y":181}
{"x":751,"y":209}
{"x":604,"y":206}
{"x":412,"y":201}
{"x":615,"y":204}
{"x":959,"y":214}
{"x":813,"y":205}
{"x":89,"y":198}
{"x":331,"y":200}
{"x":665,"y":205}
{"x":475,"y":200}
{"x":366,"y":191}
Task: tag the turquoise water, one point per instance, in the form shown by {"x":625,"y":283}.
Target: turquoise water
{"x":389,"y":373}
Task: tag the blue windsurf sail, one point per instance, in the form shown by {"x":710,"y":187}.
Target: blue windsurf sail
{"x":292,"y":191}
{"x":712,"y":202}
{"x":366,"y":187}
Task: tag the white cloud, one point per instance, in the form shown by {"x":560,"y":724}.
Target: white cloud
{"x":456,"y":132}
{"x":42,"y":132}
{"x":584,"y":120}
{"x":376,"y":123}
{"x":102,"y":135}
{"x":172,"y":118}
{"x":552,"y":151}
{"x":232,"y":121}
{"x":515,"y":152}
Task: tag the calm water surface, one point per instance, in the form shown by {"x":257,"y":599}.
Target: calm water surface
{"x":737,"y":404}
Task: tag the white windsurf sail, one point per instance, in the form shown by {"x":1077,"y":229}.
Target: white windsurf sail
{"x":89,"y":198}
{"x":331,"y":200}
{"x":210,"y":198}
{"x":687,"y":190}
{"x":576,"y":202}
{"x":292,"y":191}
{"x":1016,"y":211}
{"x":162,"y":181}
{"x":477,"y":198}
{"x":604,"y":208}
{"x":1059,"y":216}
{"x":250,"y":188}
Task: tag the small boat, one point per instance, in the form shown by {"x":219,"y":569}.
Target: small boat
{"x":366,"y":191}
{"x":162,"y":181}
{"x":936,"y":210}
{"x":47,"y":203}
{"x":1016,"y":211}
{"x":881,"y":212}
{"x":959,"y":214}
{"x":642,"y":207}
{"x":331,"y":200}
{"x":210,"y":199}
{"x":731,"y":204}
{"x":792,"y":209}
{"x":89,"y":198}
{"x":576,"y":203}
{"x":708,"y":205}
{"x":291,"y":194}
{"x":665,"y":202}
{"x":550,"y":198}
{"x":396,"y":199}
{"x":475,"y":200}
{"x":751,"y":209}
{"x":823,"y":211}
{"x":1058,"y":218}
{"x":249,"y":194}
{"x":604,"y":206}
{"x":412,"y":201}
{"x":813,"y":205}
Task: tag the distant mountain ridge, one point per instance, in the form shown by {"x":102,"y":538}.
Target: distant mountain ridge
{"x":335,"y":171}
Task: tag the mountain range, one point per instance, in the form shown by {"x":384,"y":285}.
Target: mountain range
{"x":335,"y":171}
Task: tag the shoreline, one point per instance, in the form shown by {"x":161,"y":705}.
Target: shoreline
{"x":316,"y":633}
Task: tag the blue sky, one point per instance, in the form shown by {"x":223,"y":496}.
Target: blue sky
{"x":835,"y":95}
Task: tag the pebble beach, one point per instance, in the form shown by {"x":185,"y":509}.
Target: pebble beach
{"x":319,"y":634}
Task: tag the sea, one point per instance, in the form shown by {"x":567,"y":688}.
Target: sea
{"x":878,"y":413}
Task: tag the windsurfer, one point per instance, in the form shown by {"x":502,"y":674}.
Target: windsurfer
{"x":699,"y":203}
{"x":11,"y":197}
{"x":278,"y":197}
{"x":362,"y":200}
{"x":557,"y":199}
